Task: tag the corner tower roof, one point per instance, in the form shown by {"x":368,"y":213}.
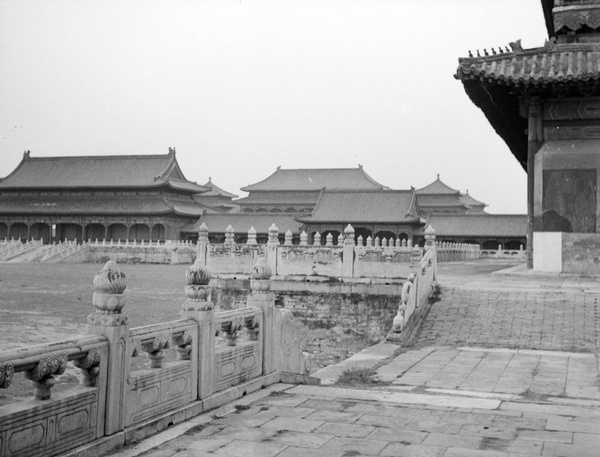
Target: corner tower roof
{"x":306,"y":179}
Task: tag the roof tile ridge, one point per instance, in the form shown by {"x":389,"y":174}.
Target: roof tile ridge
{"x":260,"y":182}
{"x":413,"y":200}
{"x":26,"y":158}
{"x":323,"y":190}
{"x":371,"y":179}
{"x":170,"y":165}
{"x":320,"y":169}
{"x":101,"y":157}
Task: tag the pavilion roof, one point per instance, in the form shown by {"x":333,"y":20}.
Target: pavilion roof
{"x":365,"y":206}
{"x":241,"y":222}
{"x":96,"y":205}
{"x":474,"y":225}
{"x":470,"y":201}
{"x":440,"y":200}
{"x":307,"y":179}
{"x":126,"y":171}
{"x":437,"y":187}
{"x":215,"y":191}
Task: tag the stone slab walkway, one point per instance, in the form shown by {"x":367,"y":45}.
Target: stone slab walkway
{"x":529,"y":373}
{"x":343,"y":422}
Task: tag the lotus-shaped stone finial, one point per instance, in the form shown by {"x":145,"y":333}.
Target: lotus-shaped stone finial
{"x":198,"y":274}
{"x":110,"y":280}
{"x":108,"y":298}
{"x":196,"y":290}
{"x":261,"y":270}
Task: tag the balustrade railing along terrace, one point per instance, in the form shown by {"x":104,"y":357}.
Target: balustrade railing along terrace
{"x":220,"y":357}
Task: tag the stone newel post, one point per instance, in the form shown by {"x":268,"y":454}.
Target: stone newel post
{"x":261,"y":297}
{"x":200,"y":307}
{"x":348,"y":258}
{"x":202,"y":245}
{"x":109,"y":320}
{"x":272,"y":251}
{"x":429,"y":238}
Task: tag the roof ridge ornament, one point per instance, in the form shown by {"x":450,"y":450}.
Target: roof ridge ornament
{"x":550,"y":45}
{"x":172,"y":150}
{"x":516,"y":46}
{"x":26,"y":154}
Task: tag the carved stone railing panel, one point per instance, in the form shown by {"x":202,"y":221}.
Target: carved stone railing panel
{"x":42,"y":426}
{"x":165,"y":385}
{"x":239,"y":359}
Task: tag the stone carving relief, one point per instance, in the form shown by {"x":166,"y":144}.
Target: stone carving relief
{"x":41,"y":374}
{"x":89,"y":367}
{"x":7,"y":372}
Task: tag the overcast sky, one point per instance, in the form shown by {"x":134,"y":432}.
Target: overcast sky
{"x":240,"y":87}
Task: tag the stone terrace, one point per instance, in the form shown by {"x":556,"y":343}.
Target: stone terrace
{"x":451,"y":395}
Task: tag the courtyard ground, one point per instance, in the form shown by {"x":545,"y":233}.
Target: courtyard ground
{"x":503,"y":366}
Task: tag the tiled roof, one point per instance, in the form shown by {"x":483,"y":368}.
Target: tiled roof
{"x":440,"y":200}
{"x":473,"y":225}
{"x":554,"y":63}
{"x":470,"y":201}
{"x":437,"y":187}
{"x":316,"y":179}
{"x":376,"y":206}
{"x":215,"y":190}
{"x":95,"y":205}
{"x":241,"y":223}
{"x":132,"y":171}
{"x":269,"y":198}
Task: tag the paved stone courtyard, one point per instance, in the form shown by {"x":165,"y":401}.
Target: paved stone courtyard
{"x":520,"y":310}
{"x":476,"y":383}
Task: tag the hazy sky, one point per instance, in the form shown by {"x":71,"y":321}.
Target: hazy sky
{"x":240,"y":87}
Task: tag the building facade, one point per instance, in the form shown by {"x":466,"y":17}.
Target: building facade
{"x":135,"y":197}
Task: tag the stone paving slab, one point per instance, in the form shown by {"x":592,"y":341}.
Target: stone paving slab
{"x":357,"y":422}
{"x":506,"y":371}
{"x":528,"y":310}
{"x":367,"y":358}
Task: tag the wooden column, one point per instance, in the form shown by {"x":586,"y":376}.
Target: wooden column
{"x":535,"y":139}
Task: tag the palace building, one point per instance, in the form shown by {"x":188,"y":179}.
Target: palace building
{"x":545,"y":104}
{"x":438,"y":197}
{"x":131,"y":197}
{"x":296,"y":191}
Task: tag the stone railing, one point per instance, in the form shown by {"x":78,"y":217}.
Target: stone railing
{"x":147,"y":243}
{"x":448,"y":252}
{"x":500,"y":253}
{"x":137,"y":381}
{"x":416,"y":291}
{"x":349,"y":258}
{"x":125,"y":251}
{"x":14,"y":249}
